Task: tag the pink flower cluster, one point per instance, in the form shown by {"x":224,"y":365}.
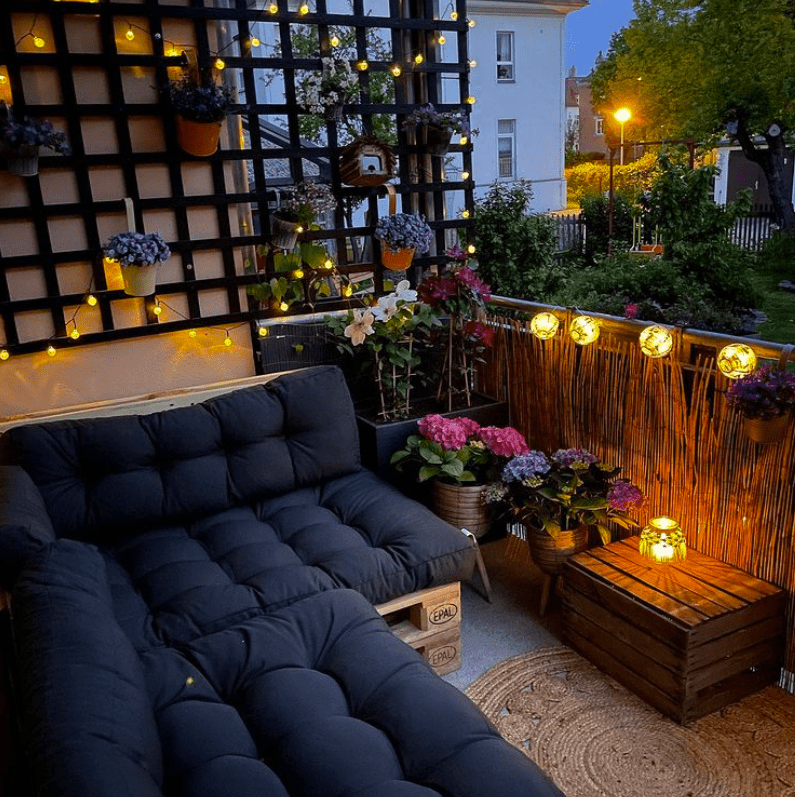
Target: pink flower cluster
{"x":466,"y":276}
{"x":480,"y":332}
{"x":455,"y":433}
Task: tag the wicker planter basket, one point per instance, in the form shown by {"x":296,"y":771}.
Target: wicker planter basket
{"x":463,"y":506}
{"x":550,"y":555}
{"x":766,"y":430}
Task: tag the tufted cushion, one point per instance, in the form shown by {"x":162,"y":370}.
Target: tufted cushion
{"x":104,"y":475}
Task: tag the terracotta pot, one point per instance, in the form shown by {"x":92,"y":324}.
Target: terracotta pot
{"x":139,"y":280}
{"x":198,"y":138}
{"x":23,"y":161}
{"x":766,"y":430}
{"x":463,"y":506}
{"x":284,"y":233}
{"x":550,"y":555}
{"x":396,"y":261}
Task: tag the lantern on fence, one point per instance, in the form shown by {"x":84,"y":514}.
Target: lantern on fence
{"x":736,"y":360}
{"x":544,"y":325}
{"x":656,"y":341}
{"x":584,"y":330}
{"x":663,"y":541}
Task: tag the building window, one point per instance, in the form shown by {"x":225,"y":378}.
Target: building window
{"x":505,"y":56}
{"x":506,"y":147}
{"x":600,"y":125}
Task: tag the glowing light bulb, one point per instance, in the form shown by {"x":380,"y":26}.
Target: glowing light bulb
{"x":263,"y":332}
{"x":91,"y":300}
{"x":362,"y":66}
{"x":472,"y":63}
{"x":299,"y":229}
{"x":74,"y":334}
{"x":192,"y":333}
{"x":471,"y":23}
{"x":255,"y":42}
{"x":544,"y":325}
{"x":130,"y":35}
{"x":419,"y":58}
{"x":656,"y":341}
{"x":298,"y":273}
{"x":304,"y":9}
{"x":3,"y":79}
{"x":396,"y":70}
{"x":284,"y":307}
{"x":464,"y":175}
{"x":464,"y":214}
{"x":463,"y":140}
{"x":329,"y":264}
{"x":220,"y":63}
{"x":157,"y":310}
{"x":4,"y":355}
{"x":334,"y":41}
{"x":454,"y":15}
{"x":471,"y":249}
{"x":441,"y":39}
{"x":273,"y":8}
{"x":171,"y":52}
{"x":228,"y":342}
{"x":584,"y":330}
{"x":470,"y":100}
{"x":736,"y":360}
{"x":51,"y":351}
{"x":39,"y":42}
{"x":347,"y":291}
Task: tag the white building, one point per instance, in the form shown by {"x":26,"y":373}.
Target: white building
{"x":519,"y":47}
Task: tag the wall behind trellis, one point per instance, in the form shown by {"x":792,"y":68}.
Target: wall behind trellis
{"x":96,"y":70}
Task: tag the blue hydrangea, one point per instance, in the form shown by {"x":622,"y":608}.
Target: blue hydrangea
{"x":525,"y":467}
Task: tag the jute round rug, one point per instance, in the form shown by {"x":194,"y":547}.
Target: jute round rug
{"x":594,"y":738}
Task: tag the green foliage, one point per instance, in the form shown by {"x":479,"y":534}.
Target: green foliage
{"x":596,"y":216}
{"x":515,"y":250}
{"x":594,"y":178}
{"x":576,"y":158}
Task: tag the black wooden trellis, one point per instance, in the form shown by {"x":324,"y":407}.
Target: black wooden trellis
{"x":226,"y":26}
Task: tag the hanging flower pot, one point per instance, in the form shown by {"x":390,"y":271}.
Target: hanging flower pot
{"x":198,"y":138}
{"x":436,"y":139}
{"x":139,"y":280}
{"x":399,"y":260}
{"x":766,"y":430}
{"x":284,"y":233}
{"x":23,"y":161}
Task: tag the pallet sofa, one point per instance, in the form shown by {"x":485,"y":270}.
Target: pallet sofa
{"x":192,"y":597}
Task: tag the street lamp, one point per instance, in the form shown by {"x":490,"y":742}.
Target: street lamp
{"x":622,"y":115}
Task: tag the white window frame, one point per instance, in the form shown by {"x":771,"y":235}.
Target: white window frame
{"x":599,"y":125}
{"x":509,"y":136}
{"x":509,"y":64}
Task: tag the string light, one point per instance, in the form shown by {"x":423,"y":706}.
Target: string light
{"x":284,"y":307}
{"x":472,"y":63}
{"x":263,"y":332}
{"x":419,"y":58}
{"x":3,"y":79}
{"x":464,"y":175}
{"x":220,"y":63}
{"x":470,"y":100}
{"x":130,"y":35}
{"x":347,"y":291}
{"x":75,"y":333}
{"x":463,"y":140}
{"x":227,"y":341}
{"x":329,"y":264}
{"x":273,"y":8}
{"x":39,"y":42}
{"x":334,"y":41}
{"x":255,"y":42}
{"x":471,"y":249}
{"x":584,"y":330}
{"x":464,"y":214}
{"x":454,"y":15}
{"x":362,"y":66}
{"x":298,"y":273}
{"x":192,"y":333}
{"x":544,"y":325}
{"x":157,"y":310}
{"x":4,"y":354}
{"x":304,"y":9}
{"x":51,"y":350}
{"x":396,"y":70}
{"x":91,"y":300}
{"x":471,"y":23}
{"x":441,"y":39}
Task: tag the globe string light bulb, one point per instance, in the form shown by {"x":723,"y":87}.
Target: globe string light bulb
{"x":544,"y":325}
{"x":396,"y":70}
{"x":736,"y":360}
{"x":255,"y":42}
{"x":4,"y":354}
{"x":263,"y":332}
{"x":75,"y":333}
{"x":419,"y":58}
{"x":464,"y":214}
{"x":472,"y":63}
{"x":284,"y":307}
{"x":304,"y":9}
{"x":471,"y":100}
{"x":228,"y":341}
{"x":220,"y":63}
{"x":298,"y":273}
{"x":463,"y":140}
{"x":334,"y":41}
{"x":454,"y":15}
{"x":441,"y":39}
{"x":273,"y":8}
{"x":51,"y":350}
{"x":656,"y":341}
{"x":465,"y":175}
{"x":91,"y":300}
{"x":471,"y":249}
{"x":362,"y":66}
{"x":471,"y":23}
{"x":584,"y":330}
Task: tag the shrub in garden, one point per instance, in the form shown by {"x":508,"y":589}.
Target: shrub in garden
{"x":596,"y":216}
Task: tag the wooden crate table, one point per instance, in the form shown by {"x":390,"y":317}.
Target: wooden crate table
{"x":688,"y":638}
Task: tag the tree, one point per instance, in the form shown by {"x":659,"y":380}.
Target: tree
{"x":707,"y":70}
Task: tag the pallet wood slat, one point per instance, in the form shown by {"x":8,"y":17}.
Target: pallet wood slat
{"x":684,"y":663}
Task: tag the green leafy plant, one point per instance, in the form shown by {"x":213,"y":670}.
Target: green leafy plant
{"x":596,"y":217}
{"x":306,"y":200}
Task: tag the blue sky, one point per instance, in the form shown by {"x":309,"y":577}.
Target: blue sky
{"x":589,"y":30}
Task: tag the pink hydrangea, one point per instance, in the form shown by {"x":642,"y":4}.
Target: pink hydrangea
{"x":449,"y":433}
{"x":630,"y":311}
{"x":504,"y":441}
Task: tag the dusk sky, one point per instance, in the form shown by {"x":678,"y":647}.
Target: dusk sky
{"x":589,"y":30}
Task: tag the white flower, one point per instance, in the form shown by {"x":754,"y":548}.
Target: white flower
{"x":402,"y":291}
{"x":388,"y":305}
{"x":360,"y":327}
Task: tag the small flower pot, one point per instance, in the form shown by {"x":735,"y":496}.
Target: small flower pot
{"x":23,"y":161}
{"x":139,"y":280}
{"x":198,"y":138}
{"x":766,"y":430}
{"x":436,"y":139}
{"x":396,"y":261}
{"x":284,"y":233}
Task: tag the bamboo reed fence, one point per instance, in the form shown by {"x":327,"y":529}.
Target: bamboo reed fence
{"x":666,"y":423}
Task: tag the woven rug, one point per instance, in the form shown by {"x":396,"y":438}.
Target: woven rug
{"x":594,"y":738}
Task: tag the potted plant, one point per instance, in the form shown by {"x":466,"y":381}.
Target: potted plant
{"x":21,"y":138}
{"x":437,"y":127}
{"x":200,"y":109}
{"x":462,"y":459}
{"x":402,"y":235}
{"x":461,"y":295}
{"x":138,"y":254}
{"x":300,"y":205}
{"x":326,"y":92}
{"x":765,"y":399}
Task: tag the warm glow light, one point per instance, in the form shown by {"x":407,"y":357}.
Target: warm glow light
{"x":130,"y":35}
{"x":419,"y":58}
{"x":656,"y":341}
{"x":454,"y":15}
{"x":304,"y":9}
{"x":284,"y":307}
{"x":471,"y":23}
{"x":298,"y":273}
{"x":3,"y":78}
{"x":623,"y":115}
{"x":299,"y":229}
{"x":74,"y":334}
{"x":157,"y":310}
{"x":192,"y":333}
{"x":463,"y":140}
{"x":470,"y":100}
{"x":255,"y":42}
{"x":51,"y":351}
{"x":91,"y":300}
{"x":663,"y":541}
{"x":263,"y":332}
{"x":329,"y":264}
{"x":220,"y":63}
{"x":441,"y":39}
{"x":471,"y":249}
{"x":273,"y":8}
{"x":464,"y":175}
{"x":228,"y":342}
{"x":347,"y":291}
{"x":544,"y":325}
{"x":736,"y":360}
{"x":39,"y":42}
{"x":584,"y":330}
{"x":464,"y":214}
{"x":396,"y":70}
{"x":472,"y":63}
{"x":334,"y":41}
{"x":362,"y":66}
{"x":4,"y":355}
